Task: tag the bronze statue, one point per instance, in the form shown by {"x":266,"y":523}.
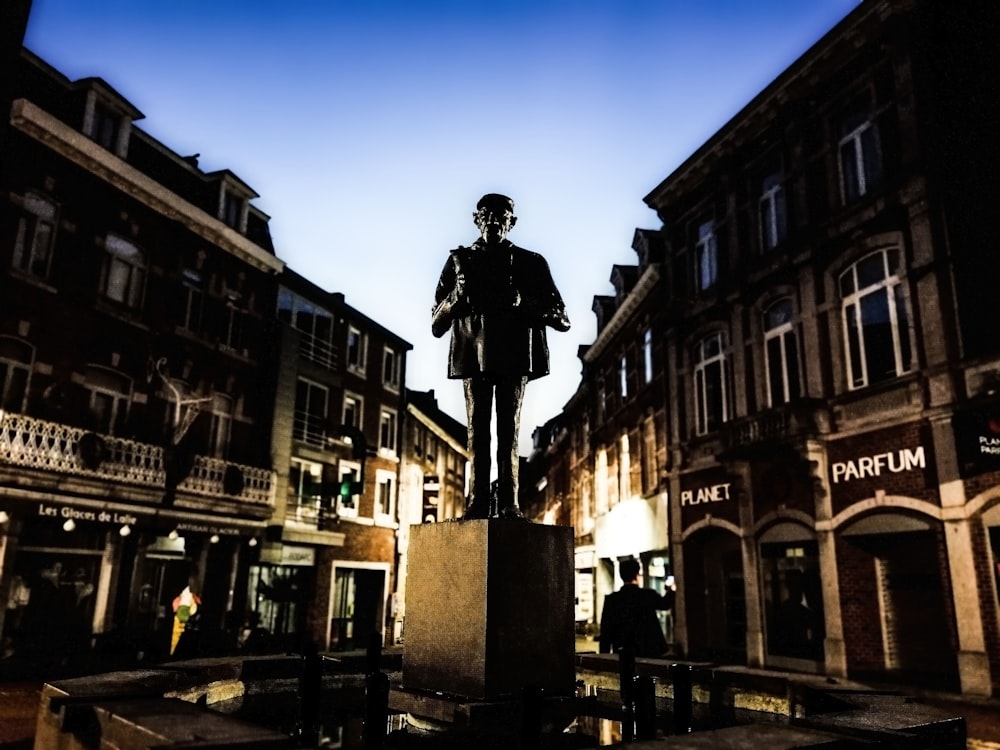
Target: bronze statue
{"x":497,"y":299}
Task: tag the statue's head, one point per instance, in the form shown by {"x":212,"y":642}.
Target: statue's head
{"x":494,"y":216}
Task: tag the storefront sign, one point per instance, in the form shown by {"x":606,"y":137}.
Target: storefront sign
{"x":977,"y":439}
{"x":86,"y":514}
{"x":715,"y":493}
{"x":894,"y":462}
{"x":287,"y":554}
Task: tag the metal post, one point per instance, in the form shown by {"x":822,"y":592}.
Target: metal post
{"x":626,"y":680}
{"x":644,"y":697}
{"x":531,"y":718}
{"x":681,"y":675}
{"x":310,"y":685}
{"x":376,"y":719}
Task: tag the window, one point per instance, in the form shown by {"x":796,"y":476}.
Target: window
{"x":706,"y":260}
{"x":385,"y":495}
{"x":221,"y":425}
{"x":353,"y":406}
{"x":624,"y":469}
{"x":314,"y":322}
{"x":876,"y":322}
{"x":623,"y":376}
{"x":647,"y":356}
{"x":391,"y":367}
{"x":193,"y":300}
{"x":860,"y":155}
{"x":110,"y":394}
{"x":357,"y":350}
{"x":710,"y":376}
{"x":305,"y":481}
{"x":16,"y":358}
{"x":650,"y":478}
{"x":347,"y":505}
{"x":602,"y":401}
{"x":233,"y":210}
{"x":601,"y":481}
{"x":104,"y":127}
{"x":123,"y":276}
{"x":310,"y":421}
{"x":387,"y":432}
{"x":772,"y":212}
{"x":36,"y":228}
{"x":781,"y":353}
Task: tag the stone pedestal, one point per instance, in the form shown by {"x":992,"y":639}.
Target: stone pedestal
{"x":489,"y":609}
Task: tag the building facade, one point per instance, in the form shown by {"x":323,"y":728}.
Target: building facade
{"x":136,"y":292}
{"x":828,"y":382}
{"x":337,"y":445}
{"x":432,"y":486}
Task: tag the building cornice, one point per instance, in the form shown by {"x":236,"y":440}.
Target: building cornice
{"x":625,"y":310}
{"x":80,"y":150}
{"x":434,"y":427}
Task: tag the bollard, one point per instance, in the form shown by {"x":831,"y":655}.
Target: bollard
{"x":681,"y":675}
{"x":376,"y":719}
{"x":644,"y":698}
{"x":531,"y":718}
{"x":310,"y":685}
{"x":626,"y":680}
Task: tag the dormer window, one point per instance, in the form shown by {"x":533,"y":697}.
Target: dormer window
{"x":234,"y":198}
{"x":107,"y":116}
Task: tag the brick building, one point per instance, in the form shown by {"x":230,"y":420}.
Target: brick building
{"x":337,"y":447}
{"x":136,"y":292}
{"x":828,"y":392}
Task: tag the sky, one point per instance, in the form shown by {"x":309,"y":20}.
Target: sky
{"x":370,"y":128}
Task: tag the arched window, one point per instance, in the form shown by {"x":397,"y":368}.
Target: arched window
{"x":781,"y":353}
{"x":876,"y":321}
{"x":36,"y":230}
{"x":16,"y":358}
{"x":123,"y":277}
{"x":711,"y":375}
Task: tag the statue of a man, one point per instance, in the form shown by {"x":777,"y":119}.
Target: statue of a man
{"x":497,"y":299}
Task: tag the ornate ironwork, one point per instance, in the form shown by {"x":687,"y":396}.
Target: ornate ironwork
{"x":52,"y":446}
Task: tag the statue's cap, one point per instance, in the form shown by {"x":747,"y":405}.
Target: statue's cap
{"x":495,"y":200}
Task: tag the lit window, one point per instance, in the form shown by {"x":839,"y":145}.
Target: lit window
{"x":357,"y":350}
{"x":233,"y":323}
{"x":647,"y":355}
{"x":781,"y":353}
{"x":860,"y":156}
{"x":772,"y":212}
{"x":123,"y":277}
{"x":36,"y":228}
{"x":876,"y":321}
{"x":710,"y":376}
{"x":109,"y":397}
{"x":16,"y":359}
{"x":387,"y":432}
{"x":391,"y":367}
{"x":706,"y":257}
{"x":310,"y":421}
{"x":601,"y":481}
{"x":623,"y":376}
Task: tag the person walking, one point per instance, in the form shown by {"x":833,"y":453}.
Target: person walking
{"x":629,"y":617}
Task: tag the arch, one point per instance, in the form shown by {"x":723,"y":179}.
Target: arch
{"x":765,"y":527}
{"x":888,"y":503}
{"x":711,"y":523}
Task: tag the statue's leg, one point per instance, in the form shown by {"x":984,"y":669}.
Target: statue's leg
{"x":479,"y":409}
{"x":510,"y":394}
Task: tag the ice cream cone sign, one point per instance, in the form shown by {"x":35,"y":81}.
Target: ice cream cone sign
{"x":185,"y":605}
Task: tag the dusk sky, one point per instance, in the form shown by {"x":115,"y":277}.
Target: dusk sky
{"x":370,"y":128}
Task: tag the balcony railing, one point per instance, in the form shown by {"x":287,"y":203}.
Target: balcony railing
{"x":51,"y":446}
{"x":309,"y":428}
{"x":317,"y":350}
{"x":781,"y":424}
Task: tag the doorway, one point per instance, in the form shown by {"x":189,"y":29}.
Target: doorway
{"x":357,"y":607}
{"x":715,"y":597}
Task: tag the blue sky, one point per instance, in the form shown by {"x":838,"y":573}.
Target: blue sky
{"x":370,"y":128}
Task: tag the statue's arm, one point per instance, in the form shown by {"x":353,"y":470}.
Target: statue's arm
{"x":449,"y":297}
{"x":545,"y":304}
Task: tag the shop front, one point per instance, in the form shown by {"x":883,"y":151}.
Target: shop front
{"x":82,"y":577}
{"x":713,"y":612}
